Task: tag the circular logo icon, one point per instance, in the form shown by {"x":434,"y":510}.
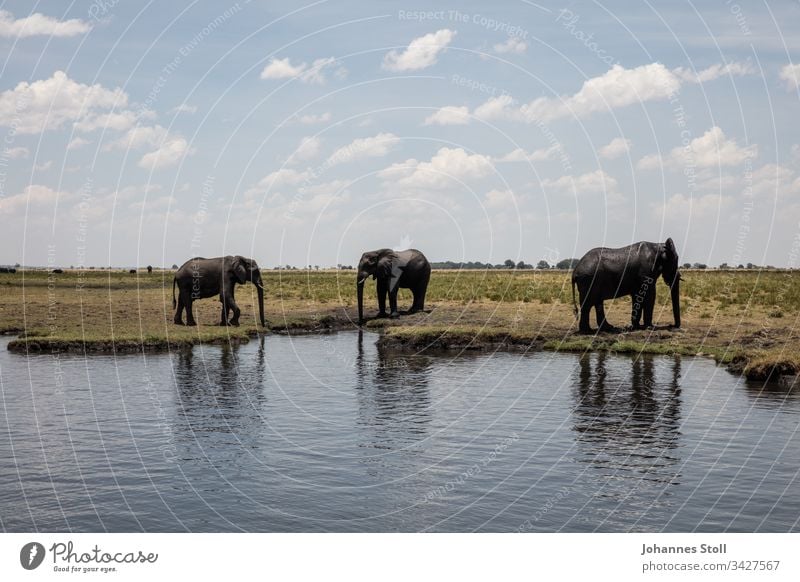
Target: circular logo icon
{"x":31,"y":555}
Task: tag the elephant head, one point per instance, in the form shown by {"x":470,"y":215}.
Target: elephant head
{"x":668,"y":266}
{"x":377,"y":264}
{"x":243,"y":270}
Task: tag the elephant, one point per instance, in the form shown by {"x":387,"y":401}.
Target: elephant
{"x":199,"y":278}
{"x":393,"y":270}
{"x":605,"y":273}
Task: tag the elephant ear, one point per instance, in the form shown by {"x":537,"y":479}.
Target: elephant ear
{"x":239,"y":270}
{"x":385,"y":266}
{"x":672,"y":252}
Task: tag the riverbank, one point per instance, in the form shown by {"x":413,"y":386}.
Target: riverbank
{"x":746,"y":321}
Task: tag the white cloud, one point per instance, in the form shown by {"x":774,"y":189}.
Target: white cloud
{"x":732,"y":69}
{"x":16,"y":153}
{"x":77,"y":142}
{"x":50,"y":103}
{"x":710,"y":150}
{"x":540,"y":155}
{"x":169,"y":153}
{"x":307,"y":149}
{"x":398,"y":170}
{"x":276,"y":179}
{"x":449,"y":115}
{"x":501,"y":107}
{"x":773,"y":180}
{"x":40,"y":25}
{"x":513,"y":45}
{"x":139,"y":137}
{"x":618,"y":87}
{"x":615,"y":148}
{"x":312,"y":119}
{"x":33,"y":195}
{"x":117,"y":120}
{"x":499,"y":199}
{"x":44,"y":166}
{"x":313,"y":73}
{"x":790,"y":75}
{"x":184,"y":108}
{"x":421,"y":52}
{"x":589,"y":183}
{"x":680,"y":208}
{"x":365,"y":147}
{"x":447,"y":165}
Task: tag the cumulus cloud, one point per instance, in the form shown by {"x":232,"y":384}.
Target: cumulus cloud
{"x":790,"y":75}
{"x":421,"y":53}
{"x":313,"y":73}
{"x":710,"y":150}
{"x":681,"y":208}
{"x":499,"y":199}
{"x":51,"y":103}
{"x":445,"y":167}
{"x":33,"y":195}
{"x":540,"y":155}
{"x":773,"y":180}
{"x":365,"y":147}
{"x":16,"y":153}
{"x":184,"y":108}
{"x":311,"y":119}
{"x":307,"y":149}
{"x":40,"y":25}
{"x":513,"y":45}
{"x":588,"y":183}
{"x":168,"y":148}
{"x":169,"y":153}
{"x":732,"y":69}
{"x":615,"y":148}
{"x":449,"y":115}
{"x":616,"y":88}
{"x":77,"y":142}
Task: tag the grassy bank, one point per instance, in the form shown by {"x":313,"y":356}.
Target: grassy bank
{"x":746,"y":320}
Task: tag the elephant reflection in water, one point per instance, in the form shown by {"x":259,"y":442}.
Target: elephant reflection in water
{"x":628,"y":424}
{"x":394,"y":405}
{"x":220,"y":390}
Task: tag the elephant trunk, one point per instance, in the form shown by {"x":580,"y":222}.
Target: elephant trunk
{"x":360,"y":295}
{"x":676,"y":299}
{"x":259,"y":283}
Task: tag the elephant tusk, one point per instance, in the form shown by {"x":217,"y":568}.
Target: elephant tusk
{"x":361,"y":281}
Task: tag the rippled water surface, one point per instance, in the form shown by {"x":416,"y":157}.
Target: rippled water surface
{"x":329,"y":434}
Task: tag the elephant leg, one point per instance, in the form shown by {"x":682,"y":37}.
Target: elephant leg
{"x":189,"y":315}
{"x":649,"y":306}
{"x":393,"y":303}
{"x":224,"y":308}
{"x":586,"y":308}
{"x":382,"y":290}
{"x":419,"y":296}
{"x":602,"y":323}
{"x":179,"y":311}
{"x":636,"y":311}
{"x":236,"y":311}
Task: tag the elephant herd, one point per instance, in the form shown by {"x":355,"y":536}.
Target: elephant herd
{"x":601,"y":274}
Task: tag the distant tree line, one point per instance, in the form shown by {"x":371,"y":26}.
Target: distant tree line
{"x":508,"y":264}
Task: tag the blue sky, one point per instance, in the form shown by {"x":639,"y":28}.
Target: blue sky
{"x":146,"y":133}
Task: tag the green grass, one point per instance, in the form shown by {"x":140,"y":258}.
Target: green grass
{"x":744,"y":319}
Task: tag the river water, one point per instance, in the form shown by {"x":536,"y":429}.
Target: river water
{"x":327,"y":433}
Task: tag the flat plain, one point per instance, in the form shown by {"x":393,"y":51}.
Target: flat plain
{"x":745,"y":319}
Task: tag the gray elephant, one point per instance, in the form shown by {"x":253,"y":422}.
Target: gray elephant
{"x":393,"y":270}
{"x":199,"y":278}
{"x":605,"y":273}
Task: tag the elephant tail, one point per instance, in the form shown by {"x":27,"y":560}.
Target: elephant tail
{"x":174,"y":281}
